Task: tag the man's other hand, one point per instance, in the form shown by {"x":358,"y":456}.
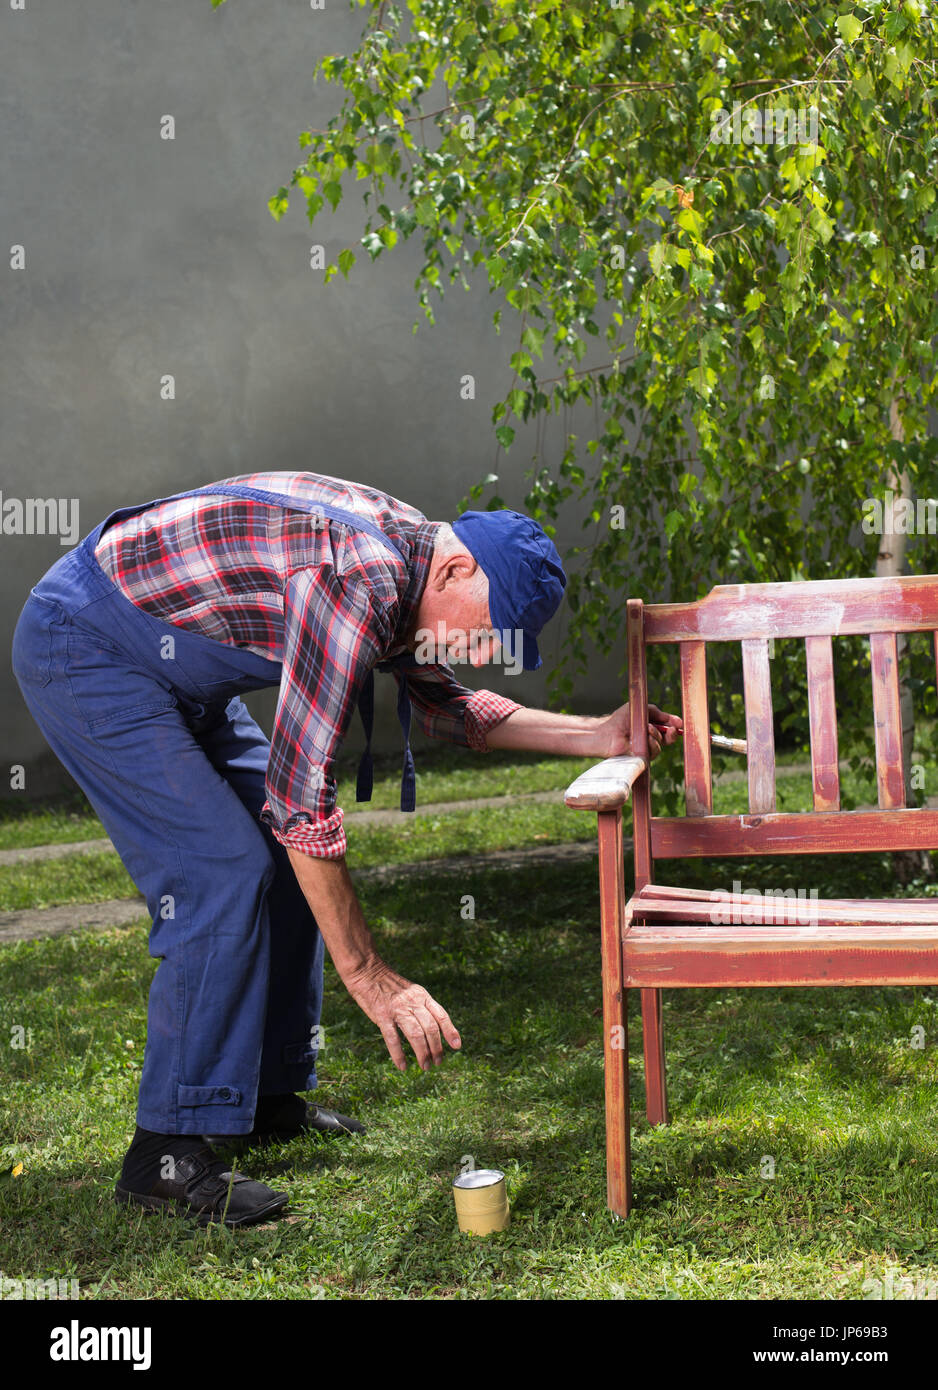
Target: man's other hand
{"x":394,"y":1003}
{"x":617,"y":731}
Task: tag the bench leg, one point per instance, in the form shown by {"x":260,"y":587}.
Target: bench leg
{"x":615,"y":1014}
{"x":618,"y":1121}
{"x":656,"y":1091}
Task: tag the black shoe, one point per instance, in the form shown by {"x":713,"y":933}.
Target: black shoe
{"x":204,"y":1187}
{"x":316,"y":1119}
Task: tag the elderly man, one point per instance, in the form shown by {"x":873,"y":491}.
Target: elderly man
{"x":132,"y":653}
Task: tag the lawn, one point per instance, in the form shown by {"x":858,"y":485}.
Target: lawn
{"x":825,"y":1088}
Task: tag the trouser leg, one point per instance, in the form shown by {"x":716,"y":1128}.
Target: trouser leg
{"x":194,"y":851}
{"x":238,"y":749}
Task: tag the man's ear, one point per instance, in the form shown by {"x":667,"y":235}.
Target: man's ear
{"x":456,"y":568}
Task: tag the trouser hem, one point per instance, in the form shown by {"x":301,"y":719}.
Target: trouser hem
{"x":204,"y":1119}
{"x":216,"y":1119}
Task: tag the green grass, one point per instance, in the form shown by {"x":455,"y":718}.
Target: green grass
{"x":825,"y":1082}
{"x":59,"y":821}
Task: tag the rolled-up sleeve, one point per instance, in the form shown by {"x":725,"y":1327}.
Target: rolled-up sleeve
{"x":483,"y":711}
{"x":332,"y":638}
{"x":447,"y":710}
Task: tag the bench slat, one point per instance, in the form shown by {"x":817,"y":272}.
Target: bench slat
{"x":822,"y":716}
{"x":802,"y":832}
{"x":760,"y":736}
{"x":638,"y":719}
{"x":887,"y":718}
{"x":820,"y":607}
{"x":768,"y":910}
{"x":666,"y":892}
{"x":698,"y":784}
{"x":663,"y":957}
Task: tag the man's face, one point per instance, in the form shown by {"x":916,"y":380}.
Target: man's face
{"x":452,"y":617}
{"x":463,"y":633}
{"x":479,"y":645}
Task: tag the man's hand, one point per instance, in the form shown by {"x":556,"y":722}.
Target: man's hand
{"x":394,"y":1003}
{"x":617,"y":731}
{"x":387,"y":998}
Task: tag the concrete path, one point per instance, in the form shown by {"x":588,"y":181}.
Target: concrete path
{"x":32,"y":924}
{"x":437,"y":808}
{"x":483,"y":803}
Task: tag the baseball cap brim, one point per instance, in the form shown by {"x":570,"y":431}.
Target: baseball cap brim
{"x":530,"y":655}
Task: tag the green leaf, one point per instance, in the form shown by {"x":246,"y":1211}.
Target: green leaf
{"x":849,"y":28}
{"x":504,"y":434}
{"x":533,"y":338}
{"x":278,"y":204}
{"x":346,"y":261}
{"x":656,"y":256}
{"x":700,"y":277}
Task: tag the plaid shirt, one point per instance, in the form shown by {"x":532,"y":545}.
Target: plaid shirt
{"x":327,"y":602}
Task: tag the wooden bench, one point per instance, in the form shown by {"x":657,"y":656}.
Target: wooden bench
{"x":674,"y":938}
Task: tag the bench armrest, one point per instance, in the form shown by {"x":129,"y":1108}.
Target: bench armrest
{"x":607,"y":785}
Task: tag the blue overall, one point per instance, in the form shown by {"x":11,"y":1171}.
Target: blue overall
{"x":171,"y":760}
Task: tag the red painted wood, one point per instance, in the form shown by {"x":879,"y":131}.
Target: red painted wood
{"x":638,"y":717}
{"x":833,"y":909}
{"x":760,"y":736}
{"x":824,"y":607}
{"x":887,"y":719}
{"x":802,"y":832}
{"x":715,"y":957}
{"x":729,"y":909}
{"x":656,"y":1094}
{"x":613,"y":920}
{"x":698,"y":784}
{"x":822,"y":718}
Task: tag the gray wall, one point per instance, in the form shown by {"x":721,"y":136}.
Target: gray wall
{"x":147,"y":256}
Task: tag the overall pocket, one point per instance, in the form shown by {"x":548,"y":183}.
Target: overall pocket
{"x":32,"y":640}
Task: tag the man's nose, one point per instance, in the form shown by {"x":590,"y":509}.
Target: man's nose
{"x":483,"y":651}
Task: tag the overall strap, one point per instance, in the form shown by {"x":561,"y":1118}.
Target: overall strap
{"x":366,"y":700}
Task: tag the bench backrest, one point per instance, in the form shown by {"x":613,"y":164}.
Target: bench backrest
{"x":753,"y":615}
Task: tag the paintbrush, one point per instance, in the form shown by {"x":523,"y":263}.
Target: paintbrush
{"x":729,"y":745}
{"x":732,"y":745}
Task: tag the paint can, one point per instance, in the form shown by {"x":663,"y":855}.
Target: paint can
{"x":481,"y":1201}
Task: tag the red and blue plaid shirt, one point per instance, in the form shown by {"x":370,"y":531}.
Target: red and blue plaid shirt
{"x":326,"y":601}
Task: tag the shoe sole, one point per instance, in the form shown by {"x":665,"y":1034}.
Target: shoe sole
{"x":240,"y":1142}
{"x":124,"y":1197}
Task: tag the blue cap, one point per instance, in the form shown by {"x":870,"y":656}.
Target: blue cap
{"x":526,"y":578}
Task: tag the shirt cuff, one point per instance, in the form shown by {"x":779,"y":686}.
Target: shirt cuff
{"x":483,"y":711}
{"x":321,"y":839}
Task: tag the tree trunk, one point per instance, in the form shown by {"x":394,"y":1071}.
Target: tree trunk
{"x":891,"y":561}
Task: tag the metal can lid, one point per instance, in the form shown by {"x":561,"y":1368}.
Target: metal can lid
{"x":479,"y":1177}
